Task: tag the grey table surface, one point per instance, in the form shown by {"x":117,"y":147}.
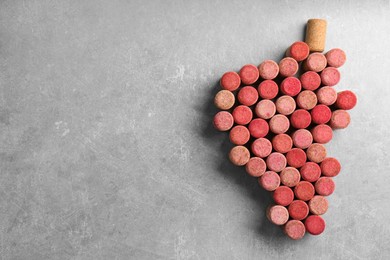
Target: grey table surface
{"x":106,"y":144}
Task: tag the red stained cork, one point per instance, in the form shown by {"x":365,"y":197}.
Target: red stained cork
{"x":346,"y":100}
{"x":239,"y":155}
{"x":279,"y":124}
{"x":310,"y":172}
{"x":282,"y":143}
{"x":298,"y":51}
{"x":321,"y":114}
{"x":296,"y":157}
{"x":315,"y":62}
{"x":255,"y":167}
{"x":315,"y":225}
{"x":318,"y":205}
{"x":283,"y":196}
{"x":298,"y":210}
{"x":295,"y":229}
{"x":285,"y":105}
{"x":307,"y":99}
{"x":261,"y":147}
{"x":265,"y":109}
{"x":300,"y":119}
{"x":277,"y":214}
{"x":242,"y":115}
{"x":249,"y":74}
{"x":322,"y":133}
{"x":290,"y":176}
{"x":269,"y":181}
{"x":340,"y":119}
{"x":258,"y":128}
{"x":248,"y":96}
{"x":276,"y":162}
{"x":230,"y":81}
{"x":325,"y":186}
{"x":290,"y":86}
{"x":316,"y":153}
{"x":239,"y":135}
{"x":302,"y":138}
{"x":268,"y":89}
{"x":330,"y":167}
{"x":330,"y":76}
{"x":288,"y":67}
{"x":336,"y":57}
{"x":224,"y":99}
{"x":304,"y":190}
{"x":327,"y":96}
{"x":223,"y":121}
{"x":310,"y":80}
{"x":268,"y":69}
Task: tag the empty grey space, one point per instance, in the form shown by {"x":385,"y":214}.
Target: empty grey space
{"x":107,"y":149}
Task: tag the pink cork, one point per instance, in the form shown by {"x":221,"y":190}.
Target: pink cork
{"x":300,"y":119}
{"x":327,"y":96}
{"x":239,"y":155}
{"x":239,"y":135}
{"x":276,"y":162}
{"x":330,"y":76}
{"x":248,"y":96}
{"x":290,"y":86}
{"x":265,"y":109}
{"x":340,"y":119}
{"x":249,"y":74}
{"x":258,"y":128}
{"x":321,"y":114}
{"x":261,"y":147}
{"x":277,"y":214}
{"x":288,"y":67}
{"x":290,"y":176}
{"x":318,"y":205}
{"x":298,"y":209}
{"x":268,"y":89}
{"x":322,"y":133}
{"x":346,"y":100}
{"x":282,"y":143}
{"x":325,"y":186}
{"x":223,"y":121}
{"x":268,"y":69}
{"x":310,"y":172}
{"x":269,"y":181}
{"x":316,"y":153}
{"x":330,"y":167}
{"x":315,"y":225}
{"x":242,"y":115}
{"x":295,"y":229}
{"x":302,"y":138}
{"x":230,"y":81}
{"x":296,"y":157}
{"x":336,"y":57}
{"x":304,"y":190}
{"x":279,"y":124}
{"x":255,"y":167}
{"x":307,"y":99}
{"x":283,"y":195}
{"x":310,"y":80}
{"x":224,"y":99}
{"x":315,"y":62}
{"x":285,"y":105}
{"x":298,"y":51}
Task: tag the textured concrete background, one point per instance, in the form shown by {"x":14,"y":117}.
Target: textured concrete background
{"x":106,"y":144}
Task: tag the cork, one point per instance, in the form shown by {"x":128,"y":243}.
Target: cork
{"x":300,"y":119}
{"x":310,"y":172}
{"x":316,"y":34}
{"x":239,"y":135}
{"x":224,"y":99}
{"x":248,"y":96}
{"x":295,"y":229}
{"x":230,"y":81}
{"x":276,"y":162}
{"x":268,"y":69}
{"x":279,"y":124}
{"x":298,"y":209}
{"x":255,"y":167}
{"x":302,"y":138}
{"x":304,"y":191}
{"x":239,"y":155}
{"x":315,"y":225}
{"x":242,"y":115}
{"x":325,"y":186}
{"x":268,"y":89}
{"x":322,"y":134}
{"x":285,"y":105}
{"x":223,"y":121}
{"x":249,"y":74}
{"x":261,"y":147}
{"x":277,"y":214}
{"x":330,"y":167}
{"x":290,"y":176}
{"x":296,"y":157}
{"x":282,"y":143}
{"x":307,"y":99}
{"x":258,"y":128}
{"x":291,"y":86}
{"x":269,"y":180}
{"x":283,"y":196}
{"x":318,"y":205}
{"x":265,"y":109}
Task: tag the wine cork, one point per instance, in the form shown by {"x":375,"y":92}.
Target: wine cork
{"x":268,"y":69}
{"x":279,"y":124}
{"x":285,"y":105}
{"x":327,"y":96}
{"x":315,"y":62}
{"x":276,"y":162}
{"x":277,"y":214}
{"x":340,"y":119}
{"x":269,"y":180}
{"x":325,"y":186}
{"x":302,"y":138}
{"x":224,"y":99}
{"x":300,"y":119}
{"x":239,"y":135}
{"x":330,"y":76}
{"x":239,"y":155}
{"x":242,"y":115}
{"x":315,"y":225}
{"x":223,"y":121}
{"x":304,"y":190}
{"x":298,"y":51}
{"x":255,"y":167}
{"x":290,"y":86}
{"x":249,"y":74}
{"x":316,"y":153}
{"x":261,"y":147}
{"x":316,"y":34}
{"x":310,"y":172}
{"x":283,"y":195}
{"x":336,"y":57}
{"x":282,"y":143}
{"x":295,"y":229}
{"x":330,"y":167}
{"x":248,"y":96}
{"x":322,"y":134}
{"x":290,"y":176}
{"x":288,"y":67}
{"x":268,"y":89}
{"x":258,"y":128}
{"x":321,"y":114}
{"x":296,"y":157}
{"x":318,"y":205}
{"x":310,"y":80}
{"x":265,"y":109}
{"x":346,"y":100}
{"x":298,"y":209}
{"x":307,"y":99}
{"x":230,"y":81}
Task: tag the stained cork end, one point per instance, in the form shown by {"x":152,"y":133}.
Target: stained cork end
{"x":316,"y":34}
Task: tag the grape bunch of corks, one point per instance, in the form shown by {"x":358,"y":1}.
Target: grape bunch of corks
{"x":279,"y":116}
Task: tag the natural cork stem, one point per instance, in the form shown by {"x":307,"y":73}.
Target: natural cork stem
{"x":316,"y":34}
